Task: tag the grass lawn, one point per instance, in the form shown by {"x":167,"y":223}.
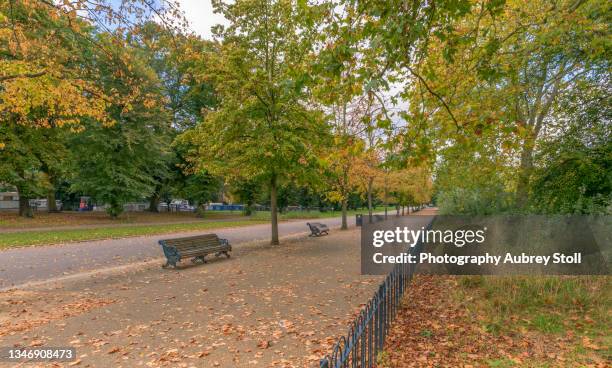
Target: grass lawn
{"x":72,"y":235}
{"x":572,"y":311}
{"x":10,"y":220}
{"x":132,"y":224}
{"x":503,"y":322}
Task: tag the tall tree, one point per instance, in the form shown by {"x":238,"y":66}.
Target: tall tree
{"x":495,"y":77}
{"x":340,"y":163}
{"x":342,"y":158}
{"x":118,"y":163}
{"x":264,"y":128}
{"x":350,"y":79}
{"x":47,"y":88}
{"x":573,"y":168}
{"x":176,"y":58}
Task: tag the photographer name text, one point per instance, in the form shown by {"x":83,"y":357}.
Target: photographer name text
{"x":485,"y":259}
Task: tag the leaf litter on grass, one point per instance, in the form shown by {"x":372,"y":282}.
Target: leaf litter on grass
{"x":435,"y":329}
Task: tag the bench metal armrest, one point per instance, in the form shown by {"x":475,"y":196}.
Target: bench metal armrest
{"x":225,"y":242}
{"x":171,"y":253}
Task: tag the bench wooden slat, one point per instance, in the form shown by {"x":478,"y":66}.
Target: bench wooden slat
{"x":189,"y":246}
{"x":209,"y":250}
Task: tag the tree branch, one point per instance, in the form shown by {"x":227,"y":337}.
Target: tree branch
{"x":437,"y":96}
{"x":25,"y":75}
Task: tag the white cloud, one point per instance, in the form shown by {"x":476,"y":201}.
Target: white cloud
{"x":200,"y":15}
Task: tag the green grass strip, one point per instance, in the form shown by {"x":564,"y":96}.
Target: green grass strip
{"x":32,"y":238}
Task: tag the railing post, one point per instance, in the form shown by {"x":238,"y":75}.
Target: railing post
{"x":370,"y":324}
{"x":384,"y":319}
{"x":381,"y":304}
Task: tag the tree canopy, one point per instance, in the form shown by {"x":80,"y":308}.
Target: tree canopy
{"x":487,"y":106}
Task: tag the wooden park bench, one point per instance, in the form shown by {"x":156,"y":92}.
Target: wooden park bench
{"x":194,"y":247}
{"x":317,"y":229}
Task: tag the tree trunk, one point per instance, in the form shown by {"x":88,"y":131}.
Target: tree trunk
{"x":24,"y":205}
{"x":154,"y":202}
{"x":370,"y":183}
{"x":522,"y":188}
{"x":274,"y":211}
{"x":201,"y":210}
{"x":114,"y":209}
{"x":51,"y":206}
{"x":248,"y":209}
{"x":386,"y":199}
{"x":403,"y":210}
{"x":344,"y":210}
{"x":397,"y":209}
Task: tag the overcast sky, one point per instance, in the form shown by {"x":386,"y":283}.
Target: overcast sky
{"x":201,"y":16}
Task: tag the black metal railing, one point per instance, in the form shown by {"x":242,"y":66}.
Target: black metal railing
{"x":359,"y":348}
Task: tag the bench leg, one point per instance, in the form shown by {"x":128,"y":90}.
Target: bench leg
{"x":169,"y":263}
{"x":218,"y":254}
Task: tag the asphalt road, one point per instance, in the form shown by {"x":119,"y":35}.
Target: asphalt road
{"x":29,"y":264}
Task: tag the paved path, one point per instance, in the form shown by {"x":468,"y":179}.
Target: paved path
{"x":28,"y":264}
{"x":264,"y":307}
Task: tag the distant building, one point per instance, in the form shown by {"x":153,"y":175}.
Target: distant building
{"x":9,"y":200}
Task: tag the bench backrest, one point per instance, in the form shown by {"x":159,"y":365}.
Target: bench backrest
{"x":316,"y":226}
{"x":199,"y":241}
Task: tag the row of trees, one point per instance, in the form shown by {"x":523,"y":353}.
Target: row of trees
{"x":502,"y":102}
{"x":116,"y":113}
{"x":299,"y":103}
{"x":505,"y":103}
{"x":91,"y":111}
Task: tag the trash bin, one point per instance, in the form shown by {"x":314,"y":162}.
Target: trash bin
{"x":358,"y":219}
